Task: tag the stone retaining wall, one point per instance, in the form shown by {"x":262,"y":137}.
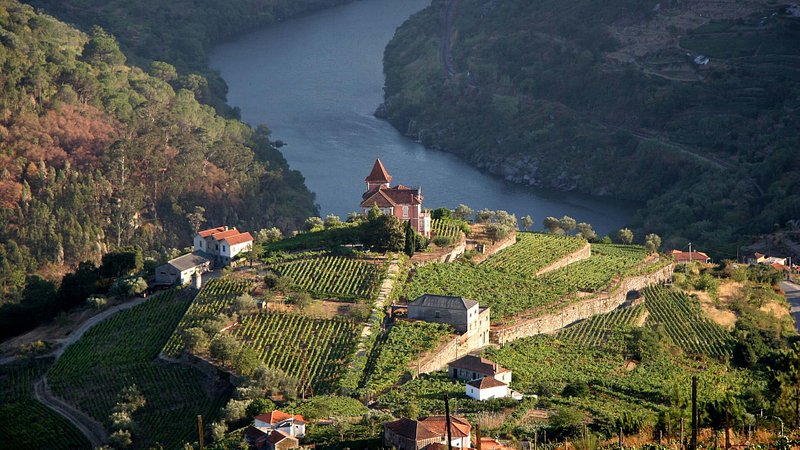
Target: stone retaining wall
{"x":600,"y":303}
{"x":579,"y":255}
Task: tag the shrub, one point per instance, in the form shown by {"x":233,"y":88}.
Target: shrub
{"x":442,"y":241}
{"x":96,"y":302}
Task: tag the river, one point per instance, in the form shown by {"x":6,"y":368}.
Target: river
{"x":316,"y":81}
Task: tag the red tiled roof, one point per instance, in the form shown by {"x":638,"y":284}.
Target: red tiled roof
{"x":429,"y":428}
{"x":486,"y":383}
{"x":210,"y":231}
{"x":488,"y":443}
{"x":224,"y":234}
{"x":680,"y":256}
{"x":438,"y":424}
{"x":477,"y":364}
{"x":779,"y":266}
{"x":379,"y":173}
{"x":759,"y":255}
{"x":239,"y":238}
{"x":278,"y":436}
{"x":276,"y":416}
{"x":385,"y":197}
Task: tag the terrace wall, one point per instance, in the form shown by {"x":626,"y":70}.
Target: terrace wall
{"x":454,"y":348}
{"x":601,"y":303}
{"x":583,"y":253}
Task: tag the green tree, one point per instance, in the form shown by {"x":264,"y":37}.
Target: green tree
{"x":224,"y":347}
{"x":120,"y":439}
{"x":553,"y":225}
{"x":586,"y":231}
{"x":244,"y":304}
{"x":163,"y":71}
{"x":723,"y":413}
{"x":527,"y":222}
{"x":195,"y":340}
{"x":259,"y":406}
{"x":301,"y":300}
{"x":567,"y":223}
{"x":102,"y":48}
{"x":314,"y":224}
{"x":384,"y":234}
{"x":269,"y":235}
{"x":624,"y":236}
{"x":332,"y":221}
{"x":567,"y":422}
{"x":196,"y":218}
{"x":495,"y":232}
{"x":463,"y":212}
{"x":652,"y":242}
{"x":121,"y":262}
{"x":410,"y":240}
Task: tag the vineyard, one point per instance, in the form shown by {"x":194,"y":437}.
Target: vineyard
{"x":534,"y":251}
{"x":334,"y":277}
{"x":604,"y":329}
{"x":26,"y":424}
{"x":122,"y":351}
{"x":310,"y":349}
{"x":405,"y":342}
{"x":215,"y":298}
{"x":512,"y":292}
{"x":685,"y":323}
{"x":313,"y":350}
{"x":446,"y":228}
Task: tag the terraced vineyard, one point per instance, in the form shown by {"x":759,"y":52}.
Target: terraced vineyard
{"x":599,"y":331}
{"x":534,"y":251}
{"x":334,"y":277}
{"x":510,"y":293}
{"x":685,"y":323}
{"x":314,"y":350}
{"x":26,"y":424}
{"x":122,"y":351}
{"x":446,"y":228}
{"x":216,"y":297}
{"x":406,"y":341}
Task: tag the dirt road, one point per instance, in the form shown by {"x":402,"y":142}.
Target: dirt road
{"x":792,"y":292}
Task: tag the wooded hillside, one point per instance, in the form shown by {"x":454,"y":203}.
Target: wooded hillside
{"x":96,"y":154}
{"x":606,"y":98}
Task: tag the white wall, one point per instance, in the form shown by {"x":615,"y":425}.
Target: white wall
{"x":486,"y":394}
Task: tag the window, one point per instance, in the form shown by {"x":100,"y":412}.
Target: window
{"x":438,"y":314}
{"x":223,"y":248}
{"x":405,"y":211}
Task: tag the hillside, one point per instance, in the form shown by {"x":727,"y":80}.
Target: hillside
{"x":178,"y":32}
{"x":96,"y":154}
{"x":605,"y":98}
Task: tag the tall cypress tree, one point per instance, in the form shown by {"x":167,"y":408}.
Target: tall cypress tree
{"x":410,"y":240}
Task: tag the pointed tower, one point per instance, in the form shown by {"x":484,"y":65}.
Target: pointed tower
{"x":378,"y":177}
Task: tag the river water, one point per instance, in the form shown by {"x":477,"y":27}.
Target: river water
{"x":316,"y":81}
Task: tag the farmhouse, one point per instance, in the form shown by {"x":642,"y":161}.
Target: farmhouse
{"x":486,"y":388}
{"x":179,"y":271}
{"x":408,"y":434}
{"x":685,"y":257}
{"x":222,"y":244}
{"x":403,"y":202}
{"x":270,"y":440}
{"x":471,"y":367}
{"x":292,"y":425}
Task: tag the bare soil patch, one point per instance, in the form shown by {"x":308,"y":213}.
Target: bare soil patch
{"x":722,"y":317}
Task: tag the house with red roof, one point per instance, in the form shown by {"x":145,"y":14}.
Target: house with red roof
{"x":292,"y":425}
{"x":429,"y":433}
{"x":403,"y":202}
{"x":486,"y":388}
{"x":222,"y":244}
{"x":270,"y":440}
{"x":684,"y":257}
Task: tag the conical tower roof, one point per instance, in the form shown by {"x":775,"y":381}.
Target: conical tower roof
{"x":378,"y":174}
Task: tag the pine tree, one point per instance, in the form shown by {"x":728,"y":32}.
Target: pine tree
{"x":410,"y":240}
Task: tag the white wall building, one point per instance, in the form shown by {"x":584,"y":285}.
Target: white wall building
{"x":486,"y":388}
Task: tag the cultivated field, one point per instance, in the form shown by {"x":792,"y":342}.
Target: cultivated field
{"x":534,"y":251}
{"x":123,"y":351}
{"x":333,"y":276}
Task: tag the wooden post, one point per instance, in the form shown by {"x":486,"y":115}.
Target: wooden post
{"x":200,"y":433}
{"x":682,"y":441}
{"x":447,"y":422}
{"x":621,"y":440}
{"x":535,"y":440}
{"x":693,"y":445}
{"x":478,"y":436}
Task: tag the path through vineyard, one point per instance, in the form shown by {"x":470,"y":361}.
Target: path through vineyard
{"x":383,"y":296}
{"x":89,"y":427}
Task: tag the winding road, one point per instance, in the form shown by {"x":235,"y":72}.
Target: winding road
{"x":792,"y":292}
{"x":92,"y":429}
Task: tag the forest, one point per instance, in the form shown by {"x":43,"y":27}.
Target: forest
{"x":97,"y":155}
{"x":606,"y":98}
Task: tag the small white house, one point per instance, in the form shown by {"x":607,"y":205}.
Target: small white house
{"x":293,"y":425}
{"x":222,"y":243}
{"x":486,"y":388}
{"x":179,"y":271}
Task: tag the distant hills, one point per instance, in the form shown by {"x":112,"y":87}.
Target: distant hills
{"x":96,"y":154}
{"x":689,"y":107}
